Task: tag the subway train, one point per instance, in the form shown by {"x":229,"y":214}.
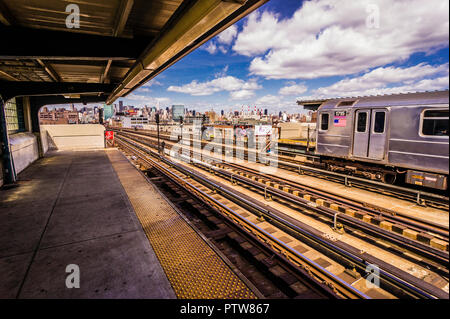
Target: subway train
{"x":387,"y":137}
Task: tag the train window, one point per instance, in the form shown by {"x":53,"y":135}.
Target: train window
{"x":435,"y":123}
{"x":379,"y":122}
{"x":362,"y":122}
{"x":324,"y":121}
{"x":346,"y":103}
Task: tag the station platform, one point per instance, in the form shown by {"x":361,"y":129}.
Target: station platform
{"x":94,"y":209}
{"x":70,"y":208}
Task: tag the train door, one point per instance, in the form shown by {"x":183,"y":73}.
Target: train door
{"x":361,"y":133}
{"x":369,"y":139}
{"x":377,"y":142}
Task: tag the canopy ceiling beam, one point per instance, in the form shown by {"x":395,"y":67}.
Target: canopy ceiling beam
{"x":121,"y":21}
{"x":27,"y":43}
{"x":10,"y":89}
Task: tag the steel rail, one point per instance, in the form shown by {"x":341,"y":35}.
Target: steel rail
{"x":437,"y":255}
{"x":415,"y":223}
{"x":418,"y":196}
{"x":321,"y":275}
{"x":392,"y":276}
{"x":423,"y":249}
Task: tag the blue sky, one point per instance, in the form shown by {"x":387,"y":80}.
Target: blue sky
{"x":290,"y":49}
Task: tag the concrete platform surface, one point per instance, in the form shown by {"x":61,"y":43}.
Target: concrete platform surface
{"x":70,"y":208}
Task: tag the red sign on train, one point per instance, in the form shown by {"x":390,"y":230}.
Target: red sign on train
{"x":109,"y":135}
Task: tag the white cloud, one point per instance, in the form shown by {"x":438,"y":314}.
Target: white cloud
{"x":225,"y":39}
{"x":211,"y":48}
{"x":227,"y":36}
{"x":330,"y":37}
{"x":382,"y":76}
{"x":141,"y":100}
{"x":151,"y":83}
{"x":146,"y":87}
{"x":222,"y":73}
{"x":242,"y":94}
{"x":293,"y":89}
{"x":224,"y":83}
{"x":268,"y":100}
{"x":137,"y":97}
{"x":222,"y":49}
{"x":389,"y":80}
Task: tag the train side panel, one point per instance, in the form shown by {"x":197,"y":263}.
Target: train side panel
{"x":409,"y":148}
{"x":335,"y":137}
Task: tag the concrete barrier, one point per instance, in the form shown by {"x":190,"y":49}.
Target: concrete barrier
{"x":24,"y":150}
{"x":296,"y":130}
{"x":72,"y":136}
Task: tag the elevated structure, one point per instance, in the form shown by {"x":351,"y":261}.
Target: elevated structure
{"x":46,"y":58}
{"x":118,"y":46}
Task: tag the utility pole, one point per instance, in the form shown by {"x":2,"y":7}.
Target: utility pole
{"x":181,"y":126}
{"x":9,"y":173}
{"x":157,"y":128}
{"x":203,"y":128}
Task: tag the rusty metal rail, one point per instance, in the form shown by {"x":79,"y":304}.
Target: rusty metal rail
{"x":432,"y":243}
{"x":322,"y":277}
{"x":421,"y":197}
{"x":390,"y":276}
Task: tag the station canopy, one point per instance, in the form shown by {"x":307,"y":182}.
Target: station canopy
{"x":119,"y":45}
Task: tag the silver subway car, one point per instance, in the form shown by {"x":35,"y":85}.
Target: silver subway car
{"x":387,"y":137}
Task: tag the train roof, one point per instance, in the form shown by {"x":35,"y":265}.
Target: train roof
{"x":417,"y":98}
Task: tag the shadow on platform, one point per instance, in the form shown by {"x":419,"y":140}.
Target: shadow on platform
{"x":70,"y":208}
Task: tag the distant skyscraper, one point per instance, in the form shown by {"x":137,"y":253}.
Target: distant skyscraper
{"x":177,"y":112}
{"x":108,"y":111}
{"x":100,"y":116}
{"x":121,"y":108}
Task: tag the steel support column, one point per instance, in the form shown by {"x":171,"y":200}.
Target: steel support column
{"x":9,"y":174}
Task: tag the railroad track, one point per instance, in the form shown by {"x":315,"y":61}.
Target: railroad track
{"x":323,"y":279}
{"x":399,"y":234}
{"x":420,"y":197}
{"x":394,"y":217}
{"x":266,"y":275}
{"x":394,"y":282}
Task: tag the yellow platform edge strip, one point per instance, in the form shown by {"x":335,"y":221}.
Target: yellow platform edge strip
{"x":192,"y":267}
